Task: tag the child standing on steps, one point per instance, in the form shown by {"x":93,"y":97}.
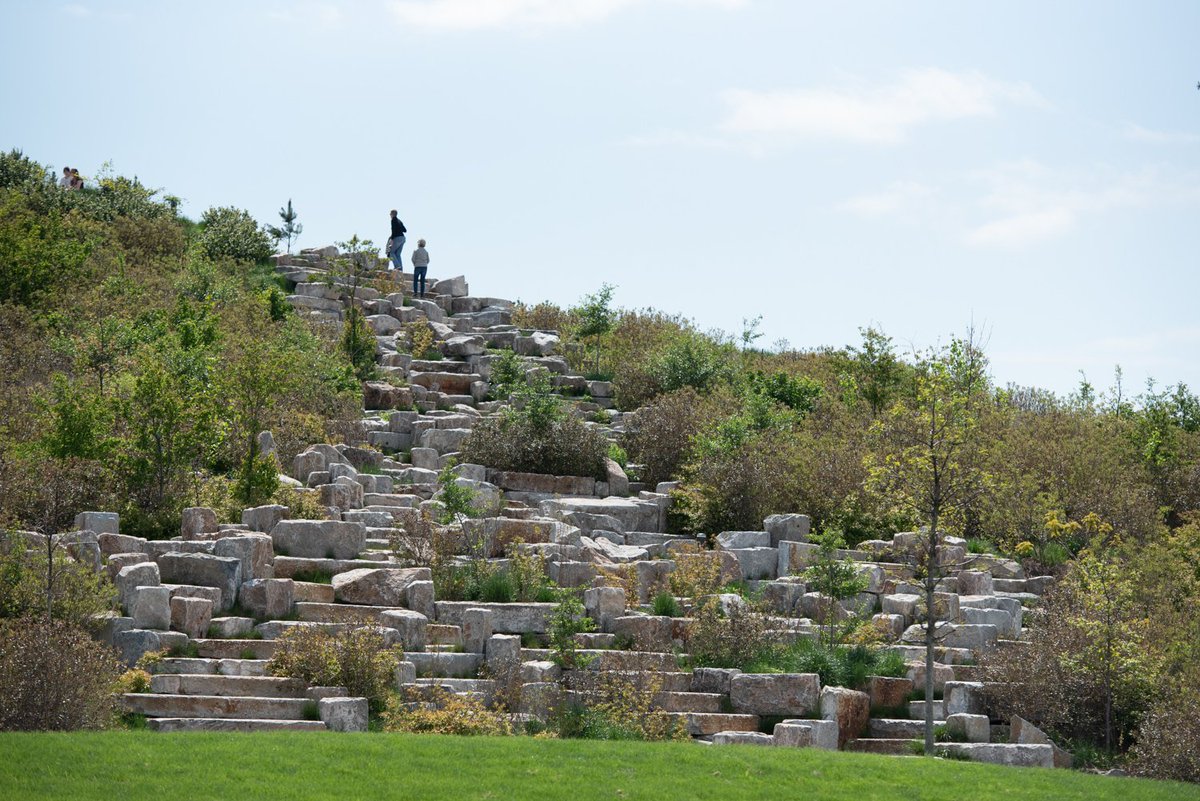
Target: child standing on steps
{"x":420,"y":260}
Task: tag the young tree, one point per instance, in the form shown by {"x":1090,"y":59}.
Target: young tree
{"x":357,"y":260}
{"x":927,"y":464}
{"x":836,"y":578}
{"x":596,"y":319}
{"x":290,"y":230}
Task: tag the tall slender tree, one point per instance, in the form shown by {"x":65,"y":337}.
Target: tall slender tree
{"x":290,"y":230}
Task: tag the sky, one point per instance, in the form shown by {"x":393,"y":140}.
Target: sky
{"x":1031,"y":169}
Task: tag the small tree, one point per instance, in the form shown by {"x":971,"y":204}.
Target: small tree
{"x":358,"y":258}
{"x":836,"y":578}
{"x":290,"y":230}
{"x":596,"y":319}
{"x":927,"y":463}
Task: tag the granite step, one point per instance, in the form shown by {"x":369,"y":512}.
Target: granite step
{"x":254,"y":686}
{"x":158,"y":705}
{"x":704,"y":724}
{"x":232,"y":724}
{"x":691,"y":702}
{"x":235,"y":649}
{"x":341,"y":613}
{"x":889,"y":747}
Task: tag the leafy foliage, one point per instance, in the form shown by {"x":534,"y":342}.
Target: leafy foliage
{"x":229,"y":233}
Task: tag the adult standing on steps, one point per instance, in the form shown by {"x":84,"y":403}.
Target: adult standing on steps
{"x":420,"y":260}
{"x":396,"y":242}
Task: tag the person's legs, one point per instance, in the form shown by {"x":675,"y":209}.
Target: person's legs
{"x":394,"y":253}
{"x":419,"y":276}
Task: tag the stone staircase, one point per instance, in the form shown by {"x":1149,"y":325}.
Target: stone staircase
{"x":220,"y":594}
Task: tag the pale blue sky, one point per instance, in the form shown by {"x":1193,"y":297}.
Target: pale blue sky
{"x":1031,"y":166}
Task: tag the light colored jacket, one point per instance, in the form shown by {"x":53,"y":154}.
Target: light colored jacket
{"x":420,"y":257}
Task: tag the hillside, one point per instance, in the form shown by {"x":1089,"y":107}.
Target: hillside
{"x":584,"y":521}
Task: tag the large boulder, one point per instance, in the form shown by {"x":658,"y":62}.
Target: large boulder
{"x":807,"y":734}
{"x":264,"y":518}
{"x":787,"y":527}
{"x":253,"y":550}
{"x":151,"y":608}
{"x":413,"y":627}
{"x":319,"y":539}
{"x":222,"y":572}
{"x":99,"y":522}
{"x":775,"y":693}
{"x":130,"y":577}
{"x":268,"y":599}
{"x":378,"y":586}
{"x":198,"y":521}
{"x":192,"y":616}
{"x":850,"y":709}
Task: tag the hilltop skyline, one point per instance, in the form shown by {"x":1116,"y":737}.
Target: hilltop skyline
{"x":1032,"y":170}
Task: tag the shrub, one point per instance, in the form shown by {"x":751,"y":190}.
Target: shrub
{"x":616,"y":706}
{"x":79,"y":591}
{"x":507,"y":372}
{"x":1168,"y":739}
{"x":229,"y":233}
{"x":666,"y":605}
{"x":447,"y":713}
{"x":696,"y":573}
{"x":53,"y":676}
{"x":733,"y":640}
{"x":356,"y":659}
{"x":569,"y":619}
{"x":841,"y":666}
{"x":538,"y":437}
{"x":301,"y":504}
{"x":692,"y":360}
{"x":527,"y":572}
{"x":458,"y":501}
{"x":133,"y":681}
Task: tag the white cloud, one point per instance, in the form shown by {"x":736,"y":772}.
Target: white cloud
{"x":1137,"y":133}
{"x":1030,"y":203}
{"x":899,"y":196}
{"x":873,"y":114}
{"x":524,"y":14}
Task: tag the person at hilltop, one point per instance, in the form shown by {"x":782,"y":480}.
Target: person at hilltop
{"x":395,"y":243}
{"x":420,"y":260}
{"x":76,"y":179}
{"x":65,"y":181}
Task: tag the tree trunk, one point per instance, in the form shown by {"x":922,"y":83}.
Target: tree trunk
{"x":930,"y":623}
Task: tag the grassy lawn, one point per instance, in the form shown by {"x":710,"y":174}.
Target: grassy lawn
{"x":130,"y":766}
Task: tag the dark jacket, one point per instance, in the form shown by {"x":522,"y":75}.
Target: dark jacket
{"x":398,"y":228}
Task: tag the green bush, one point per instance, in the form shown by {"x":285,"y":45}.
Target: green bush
{"x":79,"y":591}
{"x":666,"y":605}
{"x":356,"y":659}
{"x":229,"y":233}
{"x":537,"y":436}
{"x":54,"y":676}
{"x":841,"y":666}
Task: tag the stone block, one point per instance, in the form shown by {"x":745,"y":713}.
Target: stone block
{"x":757,"y":563}
{"x":849,"y":708}
{"x":713,"y":680}
{"x":319,"y":539}
{"x":228,"y":628}
{"x":378,"y":586}
{"x":975,"y":582}
{"x":413,"y":627}
{"x":119,"y":543}
{"x":648,"y":632}
{"x":775,"y":693}
{"x":604,"y":604}
{"x":791,"y":527}
{"x":420,"y":598}
{"x":198,"y":521}
{"x":99,"y":522}
{"x":889,"y":693}
{"x":964,"y":697}
{"x":540,"y":699}
{"x":970,"y":728}
{"x":192,"y":616}
{"x":730,"y":540}
{"x":151,"y":608}
{"x":503,"y":648}
{"x":343,"y":714}
{"x":130,"y":577}
{"x":131,"y":644}
{"x":742,"y":738}
{"x":539,"y":671}
{"x":253,"y":550}
{"x":807,"y":734}
{"x":405,"y":673}
{"x":264,"y":518}
{"x":210,"y":571}
{"x":268,"y":599}
{"x":476,"y":629}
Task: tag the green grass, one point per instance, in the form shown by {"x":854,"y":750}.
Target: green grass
{"x":298,"y":766}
